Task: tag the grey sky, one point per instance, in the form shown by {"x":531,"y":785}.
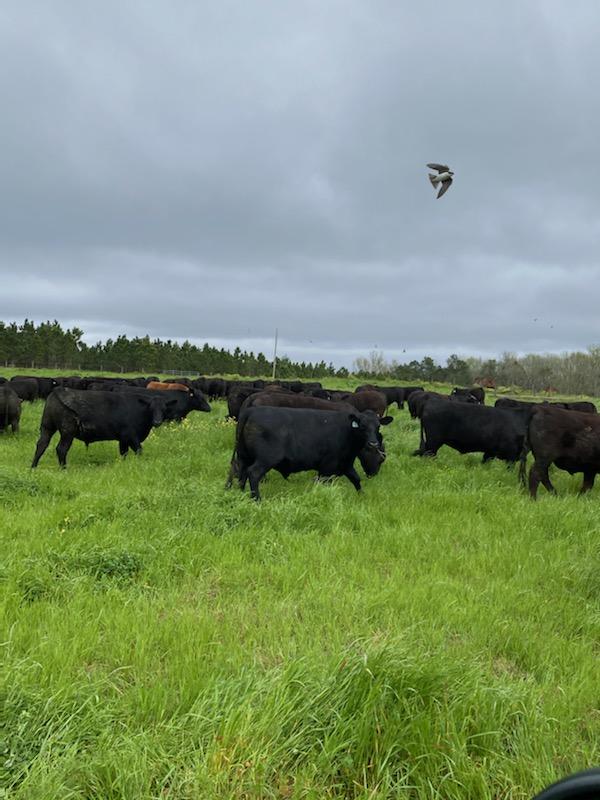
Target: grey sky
{"x":213,"y":170}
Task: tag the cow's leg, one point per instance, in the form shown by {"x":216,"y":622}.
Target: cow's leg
{"x":42,"y":443}
{"x":427,"y":450}
{"x":63,"y":446}
{"x":243,"y":477}
{"x":15,"y":427}
{"x":234,"y":470}
{"x":537,"y":473}
{"x":353,"y":477}
{"x":230,"y":476}
{"x":123,"y":448}
{"x":254,"y":473}
{"x":523,"y":467}
{"x":486,"y":457}
{"x":588,"y":482}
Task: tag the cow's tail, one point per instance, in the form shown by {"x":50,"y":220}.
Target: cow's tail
{"x":234,"y":466}
{"x":525,"y":451}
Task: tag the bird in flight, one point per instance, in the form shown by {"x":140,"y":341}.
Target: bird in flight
{"x":443,"y":178}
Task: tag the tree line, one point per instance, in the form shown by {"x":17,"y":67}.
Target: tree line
{"x":567,"y":373}
{"x":49,"y":346}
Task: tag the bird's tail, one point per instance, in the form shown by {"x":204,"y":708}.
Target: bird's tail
{"x":434,"y":180}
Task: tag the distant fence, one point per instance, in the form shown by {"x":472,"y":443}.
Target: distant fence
{"x":180,"y":373}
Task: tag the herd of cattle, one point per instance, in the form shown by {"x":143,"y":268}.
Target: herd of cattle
{"x":293,"y":426}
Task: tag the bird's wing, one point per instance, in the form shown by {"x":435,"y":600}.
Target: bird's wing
{"x":444,"y":187}
{"x":439,"y":167}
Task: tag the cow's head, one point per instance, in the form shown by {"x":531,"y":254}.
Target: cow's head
{"x":156,"y":406}
{"x":366,"y":428}
{"x":198,"y":401}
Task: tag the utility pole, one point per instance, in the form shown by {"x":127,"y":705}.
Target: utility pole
{"x":274,"y":356}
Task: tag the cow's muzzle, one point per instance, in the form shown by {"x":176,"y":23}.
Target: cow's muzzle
{"x":375,"y":446}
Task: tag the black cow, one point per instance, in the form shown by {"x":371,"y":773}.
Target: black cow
{"x":370,"y":459}
{"x":418,"y":399}
{"x":73,"y":382}
{"x":581,"y":405}
{"x":176,"y":404}
{"x":322,"y":394}
{"x":3,"y":380}
{"x":568,"y":439}
{"x":46,"y":386}
{"x":295,"y":440}
{"x":95,"y":417}
{"x":215,"y":388}
{"x":393,"y":394}
{"x":236,"y":398}
{"x":25,"y":388}
{"x":475,"y":392}
{"x":578,"y":405}
{"x":10,"y":408}
{"x":495,"y":432}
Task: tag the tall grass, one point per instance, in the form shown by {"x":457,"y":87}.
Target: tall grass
{"x":433,"y":637}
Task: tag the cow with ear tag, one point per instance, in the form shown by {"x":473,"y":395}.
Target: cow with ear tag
{"x":298,"y":439}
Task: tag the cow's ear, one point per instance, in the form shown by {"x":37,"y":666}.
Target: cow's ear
{"x":172,"y":401}
{"x":386,"y":420}
{"x":354,"y":420}
{"x":145,"y":401}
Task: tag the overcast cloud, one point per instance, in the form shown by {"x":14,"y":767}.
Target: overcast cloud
{"x":212,"y":171}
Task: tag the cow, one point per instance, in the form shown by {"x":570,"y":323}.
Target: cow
{"x":407,"y":391}
{"x":172,"y":381}
{"x":495,"y":432}
{"x":418,"y":399}
{"x":321,"y":393}
{"x":216,"y":388}
{"x":98,"y":416}
{"x":476,"y":392}
{"x":284,"y":399}
{"x":295,"y":440}
{"x":368,"y":400}
{"x":46,"y":386}
{"x":578,"y":405}
{"x":236,"y":399}
{"x":25,"y":388}
{"x":10,"y":408}
{"x":168,"y":386}
{"x":370,"y":459}
{"x":393,"y":394}
{"x":177,"y":402}
{"x":581,"y":405}
{"x":3,"y":380}
{"x":73,"y":382}
{"x":568,"y":439}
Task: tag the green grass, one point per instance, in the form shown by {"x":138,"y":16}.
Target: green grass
{"x":435,"y":637}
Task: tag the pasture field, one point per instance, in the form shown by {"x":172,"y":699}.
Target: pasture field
{"x":437,"y":636}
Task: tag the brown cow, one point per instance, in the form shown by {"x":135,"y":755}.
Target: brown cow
{"x":569,"y":439}
{"x":166,"y":387}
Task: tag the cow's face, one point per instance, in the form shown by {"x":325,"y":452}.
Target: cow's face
{"x":157,"y":408}
{"x":366,"y":428}
{"x":371,"y":458}
{"x":198,"y":401}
